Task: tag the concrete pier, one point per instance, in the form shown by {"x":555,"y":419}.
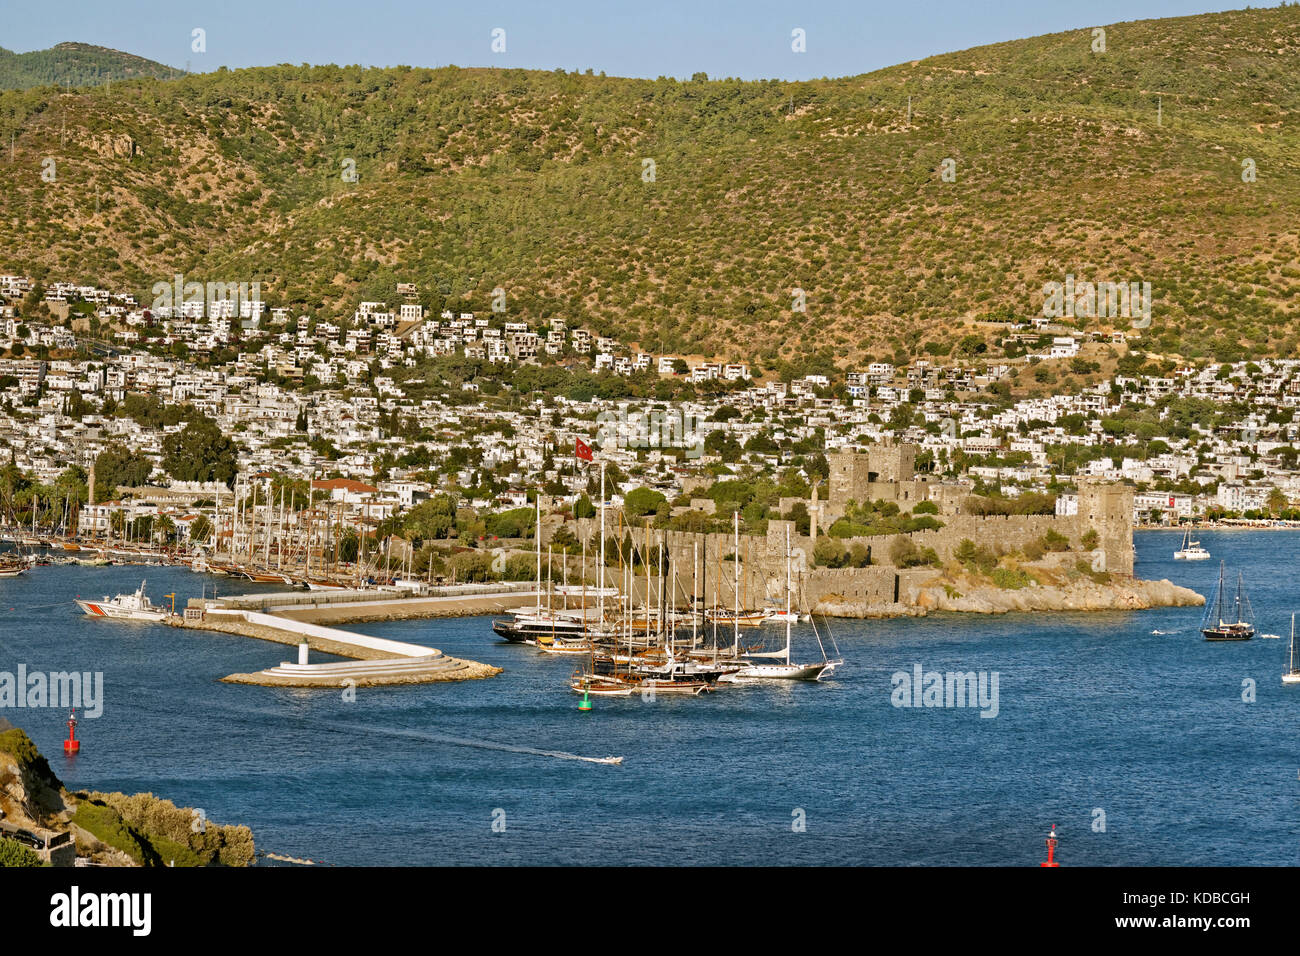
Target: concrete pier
{"x":375,"y":661}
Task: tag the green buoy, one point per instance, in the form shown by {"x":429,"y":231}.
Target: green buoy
{"x":585,"y":703}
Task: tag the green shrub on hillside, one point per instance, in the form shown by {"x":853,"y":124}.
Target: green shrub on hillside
{"x":14,"y":854}
{"x":1011,"y":579}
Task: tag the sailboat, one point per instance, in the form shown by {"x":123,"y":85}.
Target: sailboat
{"x":1228,"y":623}
{"x":1190,"y":550}
{"x":779,"y":665}
{"x":736,"y":617}
{"x":1292,"y":675}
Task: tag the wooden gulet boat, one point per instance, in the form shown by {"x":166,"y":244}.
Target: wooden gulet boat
{"x":1228,"y":620}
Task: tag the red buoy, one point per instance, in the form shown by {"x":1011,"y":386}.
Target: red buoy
{"x":1051,"y":848}
{"x":72,"y":745}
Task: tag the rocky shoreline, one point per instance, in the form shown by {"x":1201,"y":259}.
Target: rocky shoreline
{"x":974,"y":596}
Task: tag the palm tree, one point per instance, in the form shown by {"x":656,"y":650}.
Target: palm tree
{"x":164,"y":528}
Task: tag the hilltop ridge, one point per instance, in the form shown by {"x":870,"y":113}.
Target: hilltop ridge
{"x":1125,"y":165}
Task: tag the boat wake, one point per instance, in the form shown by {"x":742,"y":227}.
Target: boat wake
{"x":350,"y":728}
{"x":468,"y":742}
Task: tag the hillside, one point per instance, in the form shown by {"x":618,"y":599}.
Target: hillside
{"x":112,"y":829}
{"x":75,"y":64}
{"x":470,"y":179}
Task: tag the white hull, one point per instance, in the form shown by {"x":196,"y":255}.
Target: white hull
{"x":1291,"y":678}
{"x":108,"y":609}
{"x":558,"y":647}
{"x":125,"y":607}
{"x":781,"y":672}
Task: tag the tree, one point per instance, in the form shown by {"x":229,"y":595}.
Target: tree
{"x":801,"y":518}
{"x":14,"y":854}
{"x":164,"y":528}
{"x":119,"y":466}
{"x":828,"y":553}
{"x":1277,"y":501}
{"x":200,"y":530}
{"x":642,"y":501}
{"x":905,"y":553}
{"x":200,"y":452}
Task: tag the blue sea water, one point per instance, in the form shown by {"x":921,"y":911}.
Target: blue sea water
{"x":1100,"y":720}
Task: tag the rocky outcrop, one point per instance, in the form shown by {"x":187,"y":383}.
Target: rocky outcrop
{"x":832,"y":605}
{"x":30,"y":793}
{"x":974,"y":596}
{"x":1084,"y":595}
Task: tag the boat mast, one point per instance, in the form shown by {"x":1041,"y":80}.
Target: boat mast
{"x":537,"y":533}
{"x":787,"y":594}
{"x":735,"y":621}
{"x":695,"y":584}
{"x":600,"y":583}
{"x":1218,"y":604}
{"x":663,"y":602}
{"x":717,"y":579}
{"x":645,"y":556}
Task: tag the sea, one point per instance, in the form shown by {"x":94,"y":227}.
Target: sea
{"x":1139,"y":741}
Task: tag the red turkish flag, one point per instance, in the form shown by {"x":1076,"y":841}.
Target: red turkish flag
{"x":582,"y":450}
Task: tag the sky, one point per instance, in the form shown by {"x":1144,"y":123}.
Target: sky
{"x":646,"y":38}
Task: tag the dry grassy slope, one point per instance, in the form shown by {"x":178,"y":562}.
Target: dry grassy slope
{"x":470,"y":179}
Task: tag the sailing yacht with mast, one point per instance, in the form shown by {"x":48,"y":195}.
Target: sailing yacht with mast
{"x":737,"y":617}
{"x":1228,"y":620}
{"x":1190,"y":550}
{"x":779,"y":665}
{"x":1292,"y":675}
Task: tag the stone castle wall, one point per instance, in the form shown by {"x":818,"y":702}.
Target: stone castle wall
{"x":1105,"y":508}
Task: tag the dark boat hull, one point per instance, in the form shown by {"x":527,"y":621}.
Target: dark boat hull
{"x":1228,"y":633}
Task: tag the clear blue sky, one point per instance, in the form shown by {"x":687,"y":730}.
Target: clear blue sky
{"x":646,"y":38}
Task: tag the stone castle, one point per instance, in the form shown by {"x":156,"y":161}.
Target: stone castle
{"x":888,"y":472}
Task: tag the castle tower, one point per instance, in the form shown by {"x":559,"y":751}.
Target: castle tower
{"x":1107,"y":508}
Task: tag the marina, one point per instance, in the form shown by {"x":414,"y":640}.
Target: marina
{"x":871,"y":778}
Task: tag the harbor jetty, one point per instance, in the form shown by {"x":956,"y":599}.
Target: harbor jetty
{"x":293,"y":618}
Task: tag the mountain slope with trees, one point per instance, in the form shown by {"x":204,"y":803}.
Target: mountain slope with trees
{"x":1124,"y":165}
